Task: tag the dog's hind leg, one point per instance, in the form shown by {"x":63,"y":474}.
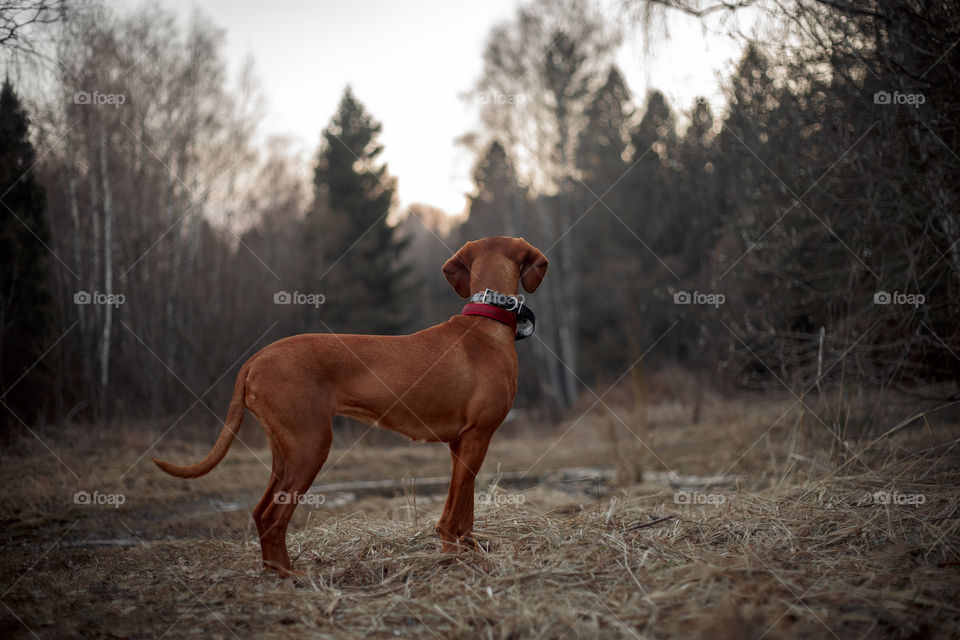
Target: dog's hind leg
{"x":300,"y":447}
{"x":269,"y":494}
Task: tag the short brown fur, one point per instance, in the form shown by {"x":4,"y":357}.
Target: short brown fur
{"x":453,"y":382}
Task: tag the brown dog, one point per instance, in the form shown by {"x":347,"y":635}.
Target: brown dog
{"x":453,"y":383}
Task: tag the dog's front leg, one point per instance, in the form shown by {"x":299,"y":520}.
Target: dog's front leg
{"x":456,"y":522}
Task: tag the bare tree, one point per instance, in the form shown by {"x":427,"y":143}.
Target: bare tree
{"x":839,"y":157}
{"x":540,"y":73}
{"x":156,"y":157}
{"x":17,"y":16}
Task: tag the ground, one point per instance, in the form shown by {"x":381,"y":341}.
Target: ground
{"x":757,"y":522}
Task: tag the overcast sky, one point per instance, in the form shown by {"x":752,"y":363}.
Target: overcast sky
{"x":409,"y":63}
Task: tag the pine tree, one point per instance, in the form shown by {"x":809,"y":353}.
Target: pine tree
{"x":752,"y":199}
{"x":657,"y":129}
{"x":25,"y":302}
{"x":654,"y":143}
{"x":601,"y":147}
{"x":497,"y":208}
{"x":600,"y":160}
{"x":354,"y":258}
{"x":690,"y":232}
{"x":701,"y":121}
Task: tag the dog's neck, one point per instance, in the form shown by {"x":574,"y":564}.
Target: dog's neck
{"x":508,"y":301}
{"x":508,"y":310}
{"x":503,"y":320}
{"x":507,"y":291}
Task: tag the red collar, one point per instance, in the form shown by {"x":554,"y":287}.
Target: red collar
{"x":501,"y":315}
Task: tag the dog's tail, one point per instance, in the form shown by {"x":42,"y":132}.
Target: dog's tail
{"x":227,"y":434}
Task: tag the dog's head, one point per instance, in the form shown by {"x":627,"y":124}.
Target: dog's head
{"x":496,"y":263}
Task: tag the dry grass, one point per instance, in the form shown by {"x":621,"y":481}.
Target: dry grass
{"x":798,"y":561}
{"x":793,"y":545}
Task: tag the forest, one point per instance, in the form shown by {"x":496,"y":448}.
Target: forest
{"x":822,"y":186}
{"x":738,"y":415}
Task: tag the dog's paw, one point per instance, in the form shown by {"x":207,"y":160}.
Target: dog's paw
{"x":282,"y":572}
{"x":470,"y":543}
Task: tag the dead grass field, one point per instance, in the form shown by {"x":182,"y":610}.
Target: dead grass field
{"x":792,"y":542}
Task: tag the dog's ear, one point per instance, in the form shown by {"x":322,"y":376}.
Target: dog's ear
{"x":457,"y":270}
{"x":532,"y":268}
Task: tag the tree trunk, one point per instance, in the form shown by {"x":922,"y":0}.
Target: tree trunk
{"x":569,"y":321}
{"x":549,"y":351}
{"x":78,"y":262}
{"x":107,"y":274}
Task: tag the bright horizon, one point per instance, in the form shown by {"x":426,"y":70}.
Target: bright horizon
{"x":413,"y":67}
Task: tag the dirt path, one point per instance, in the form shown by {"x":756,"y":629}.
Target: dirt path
{"x":767,"y":552}
{"x":129,"y":569}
